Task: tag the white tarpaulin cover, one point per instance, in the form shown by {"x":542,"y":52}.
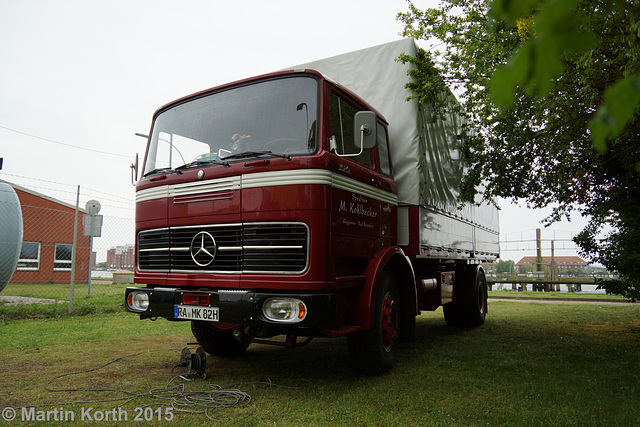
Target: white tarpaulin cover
{"x":424,"y":152}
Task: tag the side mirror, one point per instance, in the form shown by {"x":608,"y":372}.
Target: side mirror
{"x":134,"y":171}
{"x":134,"y":166}
{"x":365,"y":129}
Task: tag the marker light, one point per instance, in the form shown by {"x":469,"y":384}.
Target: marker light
{"x":138,"y":301}
{"x":284,"y":309}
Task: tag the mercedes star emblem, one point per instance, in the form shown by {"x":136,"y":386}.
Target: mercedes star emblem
{"x":203,"y":249}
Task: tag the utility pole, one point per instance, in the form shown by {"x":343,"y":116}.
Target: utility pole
{"x":539,"y":260}
{"x":553,"y":269}
{"x":73,"y":252}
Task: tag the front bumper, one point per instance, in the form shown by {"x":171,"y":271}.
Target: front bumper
{"x":237,"y":306}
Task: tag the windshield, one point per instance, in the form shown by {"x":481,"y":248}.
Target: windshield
{"x":277,"y":116}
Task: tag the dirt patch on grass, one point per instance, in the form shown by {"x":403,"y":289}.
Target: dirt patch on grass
{"x":16,"y":300}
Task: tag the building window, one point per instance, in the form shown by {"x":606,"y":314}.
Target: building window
{"x":29,"y":256}
{"x":63,"y":257}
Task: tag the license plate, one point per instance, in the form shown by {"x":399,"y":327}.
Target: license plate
{"x":196,"y":313}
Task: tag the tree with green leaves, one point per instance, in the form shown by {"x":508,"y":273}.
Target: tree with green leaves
{"x":554,"y":88}
{"x":506,"y":267}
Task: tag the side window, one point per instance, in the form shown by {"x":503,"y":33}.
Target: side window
{"x":341,"y":116}
{"x":383,"y":150}
{"x":62,"y":259}
{"x":29,"y":256}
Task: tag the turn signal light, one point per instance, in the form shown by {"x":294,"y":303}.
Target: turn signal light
{"x":138,"y":301}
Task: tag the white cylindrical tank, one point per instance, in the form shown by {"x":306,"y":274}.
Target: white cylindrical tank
{"x":10,"y":232}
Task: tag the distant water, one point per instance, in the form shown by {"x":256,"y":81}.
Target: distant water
{"x":590,"y":289}
{"x":101,"y":274}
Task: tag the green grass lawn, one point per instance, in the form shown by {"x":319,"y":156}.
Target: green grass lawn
{"x":104,"y":298}
{"x":530,"y":364}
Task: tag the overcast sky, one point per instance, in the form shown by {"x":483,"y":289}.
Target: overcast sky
{"x":79,"y":78}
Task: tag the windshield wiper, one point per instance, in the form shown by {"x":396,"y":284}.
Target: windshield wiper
{"x":202,"y":163}
{"x":162,"y":170}
{"x":248,"y":154}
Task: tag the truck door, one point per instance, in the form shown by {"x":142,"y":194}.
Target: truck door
{"x":363,"y":198}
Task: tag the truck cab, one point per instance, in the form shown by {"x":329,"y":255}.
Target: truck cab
{"x":260,"y":209}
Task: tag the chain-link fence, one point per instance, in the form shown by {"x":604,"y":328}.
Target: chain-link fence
{"x":70,"y":259}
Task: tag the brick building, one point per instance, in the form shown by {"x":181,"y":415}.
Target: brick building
{"x":47,"y":240}
{"x":121,"y":257}
{"x":564,"y":263}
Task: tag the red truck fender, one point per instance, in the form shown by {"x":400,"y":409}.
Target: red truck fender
{"x":394,"y":258}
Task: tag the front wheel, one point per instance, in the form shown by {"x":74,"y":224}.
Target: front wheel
{"x":217,"y":343}
{"x":373,"y":352}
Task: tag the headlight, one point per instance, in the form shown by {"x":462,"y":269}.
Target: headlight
{"x":284,"y":309}
{"x":138,"y":301}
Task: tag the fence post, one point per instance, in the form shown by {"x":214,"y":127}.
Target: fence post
{"x":93,"y":217}
{"x":73,"y":253}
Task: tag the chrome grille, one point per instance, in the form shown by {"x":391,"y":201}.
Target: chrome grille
{"x":239,"y":248}
{"x":278,"y":247}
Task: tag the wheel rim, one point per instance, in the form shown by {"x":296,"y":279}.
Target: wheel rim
{"x":389,"y":321}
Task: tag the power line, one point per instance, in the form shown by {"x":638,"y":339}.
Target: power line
{"x":72,"y":187}
{"x":64,"y":143}
{"x":70,"y":193}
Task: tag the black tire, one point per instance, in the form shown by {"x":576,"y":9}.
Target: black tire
{"x":215,"y":342}
{"x":470,"y":307}
{"x":477,"y":310}
{"x":373,"y":352}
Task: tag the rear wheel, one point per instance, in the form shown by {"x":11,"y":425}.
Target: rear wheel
{"x":217,"y":343}
{"x":470,"y":306}
{"x":478,"y":304}
{"x":373,"y":352}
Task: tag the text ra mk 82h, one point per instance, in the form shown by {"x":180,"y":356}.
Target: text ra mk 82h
{"x":312,"y":202}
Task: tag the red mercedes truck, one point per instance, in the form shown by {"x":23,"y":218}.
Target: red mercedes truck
{"x":317,"y":201}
